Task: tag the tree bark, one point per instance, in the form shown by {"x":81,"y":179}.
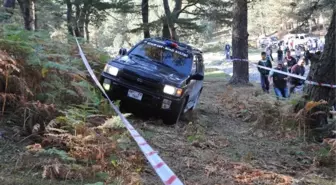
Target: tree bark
{"x":144,"y":11}
{"x":323,"y":69}
{"x":168,"y":24}
{"x":69,"y":17}
{"x":86,"y":25}
{"x":79,"y":30}
{"x":240,"y":43}
{"x":33,"y":21}
{"x":27,"y":8}
{"x":171,"y":18}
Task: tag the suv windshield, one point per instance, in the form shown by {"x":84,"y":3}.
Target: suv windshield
{"x":169,"y":57}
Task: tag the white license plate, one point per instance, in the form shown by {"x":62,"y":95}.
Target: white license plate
{"x":134,"y":94}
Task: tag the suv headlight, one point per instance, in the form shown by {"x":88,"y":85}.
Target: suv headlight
{"x":171,"y":90}
{"x":111,"y":70}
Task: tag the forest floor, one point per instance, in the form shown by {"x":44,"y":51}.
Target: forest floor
{"x":214,"y":148}
{"x":210,"y":146}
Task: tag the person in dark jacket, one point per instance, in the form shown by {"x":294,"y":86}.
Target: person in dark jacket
{"x":297,"y":69}
{"x":289,"y":61}
{"x":306,"y":55}
{"x":264,"y":72}
{"x":279,"y":81}
{"x":280,"y":55}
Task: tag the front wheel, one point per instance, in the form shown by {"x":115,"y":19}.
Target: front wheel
{"x":196,"y":101}
{"x":174,"y":116}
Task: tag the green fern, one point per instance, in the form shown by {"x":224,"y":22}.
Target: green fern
{"x":60,"y":153}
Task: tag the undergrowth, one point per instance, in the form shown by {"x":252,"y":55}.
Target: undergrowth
{"x":46,"y":91}
{"x":36,"y":69}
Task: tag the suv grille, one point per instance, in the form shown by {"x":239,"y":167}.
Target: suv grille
{"x":144,"y":82}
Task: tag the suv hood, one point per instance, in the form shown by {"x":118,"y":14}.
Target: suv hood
{"x":149,"y":70}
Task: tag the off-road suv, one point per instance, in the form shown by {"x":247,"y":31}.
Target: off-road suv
{"x":159,"y":74}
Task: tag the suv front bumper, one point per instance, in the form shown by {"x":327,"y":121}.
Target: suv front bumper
{"x":118,"y":90}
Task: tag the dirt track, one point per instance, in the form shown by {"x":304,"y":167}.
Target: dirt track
{"x":215,"y":149}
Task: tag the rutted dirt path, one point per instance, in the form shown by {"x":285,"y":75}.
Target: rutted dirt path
{"x":215,"y":149}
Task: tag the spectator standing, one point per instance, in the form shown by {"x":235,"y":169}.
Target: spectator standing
{"x":314,"y":45}
{"x":264,"y":72}
{"x":320,"y":45}
{"x":297,"y":69}
{"x":298,"y":52}
{"x":227,"y":51}
{"x":269,"y":53}
{"x":306,"y":55}
{"x":289,"y":61}
{"x":279,"y":81}
{"x":280,"y":54}
{"x":309,"y":44}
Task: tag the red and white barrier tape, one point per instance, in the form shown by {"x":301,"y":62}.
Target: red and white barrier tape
{"x":286,"y":73}
{"x":162,"y":170}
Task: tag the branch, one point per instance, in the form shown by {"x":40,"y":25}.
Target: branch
{"x":187,"y":6}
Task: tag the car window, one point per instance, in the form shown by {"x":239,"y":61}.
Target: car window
{"x":199,"y":63}
{"x":172,"y":58}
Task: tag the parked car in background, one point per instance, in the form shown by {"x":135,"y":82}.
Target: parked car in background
{"x":268,"y":41}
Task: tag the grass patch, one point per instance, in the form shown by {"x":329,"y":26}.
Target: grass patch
{"x":216,"y":75}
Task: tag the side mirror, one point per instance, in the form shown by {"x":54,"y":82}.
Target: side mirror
{"x":197,"y":76}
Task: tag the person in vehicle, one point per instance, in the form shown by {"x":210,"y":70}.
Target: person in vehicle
{"x":279,"y":81}
{"x":264,"y":72}
{"x":297,"y":69}
{"x":289,"y":61}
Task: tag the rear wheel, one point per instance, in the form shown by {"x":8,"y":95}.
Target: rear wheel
{"x":174,"y":116}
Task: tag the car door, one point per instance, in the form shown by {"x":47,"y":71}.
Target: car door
{"x":197,"y":84}
{"x":192,"y":83}
{"x":200,"y":70}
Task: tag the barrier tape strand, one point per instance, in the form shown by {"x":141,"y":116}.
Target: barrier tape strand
{"x":285,"y":73}
{"x":166,"y":175}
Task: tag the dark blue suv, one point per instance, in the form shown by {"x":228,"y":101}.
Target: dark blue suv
{"x":159,"y":74}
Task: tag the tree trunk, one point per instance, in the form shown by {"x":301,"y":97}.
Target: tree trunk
{"x":87,"y":33}
{"x":323,"y":69}
{"x":171,"y":18}
{"x":168,"y":24}
{"x":240,"y":43}
{"x":26,"y":7}
{"x":33,"y":21}
{"x":69,"y":17}
{"x":79,"y":30}
{"x":165,"y":30}
{"x":144,"y":11}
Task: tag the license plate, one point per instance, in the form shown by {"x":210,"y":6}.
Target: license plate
{"x":134,"y":94}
